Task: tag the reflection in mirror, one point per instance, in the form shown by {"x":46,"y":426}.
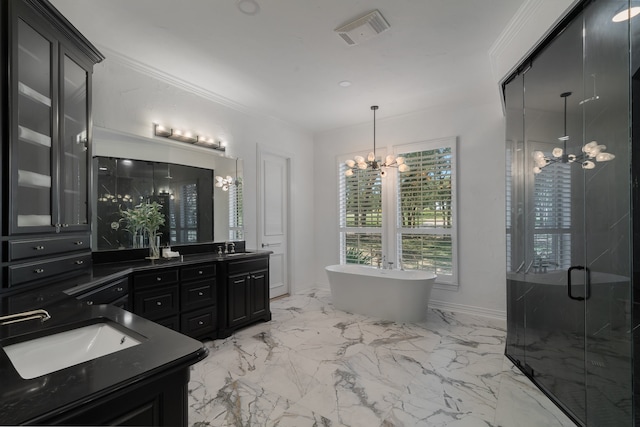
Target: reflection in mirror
{"x":185,"y":192}
{"x":228,"y":200}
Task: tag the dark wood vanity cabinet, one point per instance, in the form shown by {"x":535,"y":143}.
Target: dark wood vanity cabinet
{"x":181,"y":298}
{"x":247,"y":293}
{"x":115,"y":293}
{"x":158,"y":401}
{"x":204,"y":300}
{"x":45,"y":102}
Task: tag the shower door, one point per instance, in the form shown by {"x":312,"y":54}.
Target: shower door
{"x":569,"y":227}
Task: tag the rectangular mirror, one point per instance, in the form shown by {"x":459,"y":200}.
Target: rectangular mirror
{"x":186,"y":193}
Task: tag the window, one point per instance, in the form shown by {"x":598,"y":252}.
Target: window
{"x":360,"y":217}
{"x":236,"y":226}
{"x":552,"y":217}
{"x":417,"y":207}
{"x":425,"y":209}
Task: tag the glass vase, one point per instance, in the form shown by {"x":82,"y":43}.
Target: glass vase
{"x":154,"y":246}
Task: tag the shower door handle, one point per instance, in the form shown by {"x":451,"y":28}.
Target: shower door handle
{"x":587,"y":284}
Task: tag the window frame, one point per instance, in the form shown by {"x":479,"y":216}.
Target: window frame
{"x":343,"y":229}
{"x":442,"y":281}
{"x":391,"y":231}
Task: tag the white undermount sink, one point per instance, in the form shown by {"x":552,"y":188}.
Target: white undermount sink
{"x":52,"y":353}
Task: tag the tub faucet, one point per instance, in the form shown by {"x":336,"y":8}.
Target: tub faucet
{"x":390,"y":265}
{"x":24,"y":316}
{"x":384,"y":262}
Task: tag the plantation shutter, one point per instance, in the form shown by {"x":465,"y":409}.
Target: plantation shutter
{"x":360,"y":216}
{"x":236,"y":225}
{"x":552,"y":216}
{"x":426,"y":211}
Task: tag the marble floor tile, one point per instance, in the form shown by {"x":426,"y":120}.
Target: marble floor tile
{"x":313,"y":365}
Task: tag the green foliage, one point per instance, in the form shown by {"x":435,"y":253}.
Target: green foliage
{"x":147,"y":217}
{"x":356,"y":256}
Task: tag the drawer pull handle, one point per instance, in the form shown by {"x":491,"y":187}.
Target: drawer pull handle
{"x":89,"y":302}
{"x":159,"y":279}
{"x":79,"y":243}
{"x":38,"y":270}
{"x":119,"y":289}
{"x":259,"y":277}
{"x":238,"y":281}
{"x":79,"y":262}
{"x":201,"y":323}
{"x":200,"y":294}
{"x":200,"y":272}
{"x":159,"y":303}
{"x":38,"y":248}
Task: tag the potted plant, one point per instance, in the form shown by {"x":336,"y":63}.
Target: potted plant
{"x":146,"y":218}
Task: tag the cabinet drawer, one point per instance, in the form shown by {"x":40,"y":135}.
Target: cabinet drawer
{"x":236,"y":267}
{"x":22,"y":273}
{"x":198,"y":272}
{"x":156,"y":278}
{"x":198,"y":322}
{"x":156,"y":303}
{"x":172,"y":322}
{"x":198,"y":294}
{"x":23,"y":249}
{"x":106,"y":294}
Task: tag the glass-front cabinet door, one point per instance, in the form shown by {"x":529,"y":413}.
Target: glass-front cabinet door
{"x":73,"y":144}
{"x":50,"y":151}
{"x":34,"y":141}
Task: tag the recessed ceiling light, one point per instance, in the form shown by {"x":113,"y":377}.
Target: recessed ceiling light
{"x":626,"y":14}
{"x":345,"y":83}
{"x":249,"y":7}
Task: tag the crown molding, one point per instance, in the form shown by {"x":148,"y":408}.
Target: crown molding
{"x":133,"y":64}
{"x":510,"y":32}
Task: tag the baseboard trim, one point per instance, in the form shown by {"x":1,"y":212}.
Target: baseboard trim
{"x":437,"y":305}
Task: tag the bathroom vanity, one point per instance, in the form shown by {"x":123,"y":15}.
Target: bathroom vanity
{"x":145,"y":384}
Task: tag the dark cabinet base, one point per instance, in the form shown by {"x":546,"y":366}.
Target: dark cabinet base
{"x":157,"y":401}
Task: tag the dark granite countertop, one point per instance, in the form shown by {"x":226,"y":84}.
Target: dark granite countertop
{"x":160,"y":349}
{"x":23,"y":401}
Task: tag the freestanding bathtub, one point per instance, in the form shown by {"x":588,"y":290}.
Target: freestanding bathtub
{"x":396,"y":295}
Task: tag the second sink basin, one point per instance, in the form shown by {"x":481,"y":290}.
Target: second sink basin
{"x":52,"y":353}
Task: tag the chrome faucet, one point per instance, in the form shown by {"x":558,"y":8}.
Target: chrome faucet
{"x":24,"y":316}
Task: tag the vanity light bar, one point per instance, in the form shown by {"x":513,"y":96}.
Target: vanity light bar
{"x":178,"y":135}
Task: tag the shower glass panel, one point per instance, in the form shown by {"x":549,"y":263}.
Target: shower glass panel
{"x":569,"y":226}
{"x":554,"y":223}
{"x":516,"y":287}
{"x":607,"y":237}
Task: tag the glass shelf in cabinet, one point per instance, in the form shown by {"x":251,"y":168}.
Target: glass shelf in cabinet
{"x":33,"y":137}
{"x":33,"y":94}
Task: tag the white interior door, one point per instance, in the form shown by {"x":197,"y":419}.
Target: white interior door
{"x":274,"y":217}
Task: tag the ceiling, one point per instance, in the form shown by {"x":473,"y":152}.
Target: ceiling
{"x":286,"y":60}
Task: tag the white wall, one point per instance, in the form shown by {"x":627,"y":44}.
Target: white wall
{"x":481,"y":204}
{"x":128,"y":99}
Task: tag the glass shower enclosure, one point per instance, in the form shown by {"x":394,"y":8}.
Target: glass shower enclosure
{"x":570,"y":188}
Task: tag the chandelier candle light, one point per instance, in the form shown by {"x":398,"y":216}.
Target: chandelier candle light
{"x":591,"y":151}
{"x":372,"y":161}
{"x":226,"y":182}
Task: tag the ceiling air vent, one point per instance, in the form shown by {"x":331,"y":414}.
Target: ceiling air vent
{"x":363,"y":29}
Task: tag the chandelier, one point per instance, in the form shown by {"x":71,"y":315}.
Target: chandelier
{"x":372,"y":162}
{"x":590,"y":151}
{"x":227,"y":181}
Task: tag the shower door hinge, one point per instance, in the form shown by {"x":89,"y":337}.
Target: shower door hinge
{"x":528,"y":370}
